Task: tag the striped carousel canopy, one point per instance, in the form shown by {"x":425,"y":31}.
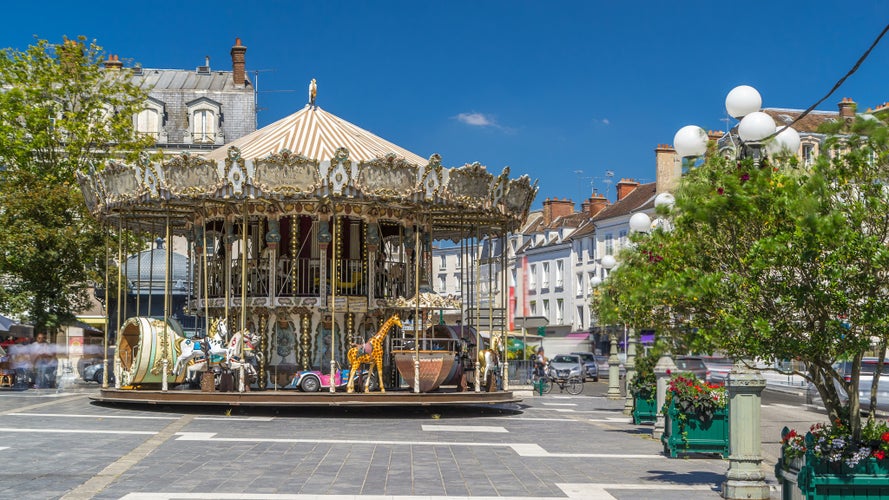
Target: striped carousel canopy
{"x":315,"y":134}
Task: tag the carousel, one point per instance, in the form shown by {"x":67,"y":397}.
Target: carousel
{"x":309,"y":247}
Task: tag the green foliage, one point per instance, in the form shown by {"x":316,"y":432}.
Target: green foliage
{"x":692,"y":396}
{"x":644,"y":382}
{"x":771,"y":261}
{"x":61,"y":113}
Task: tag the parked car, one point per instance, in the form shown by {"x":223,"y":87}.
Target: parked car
{"x":602,"y":363}
{"x":719,"y":369}
{"x":94,"y":373}
{"x":564,"y":366}
{"x":589,"y":362}
{"x":868,"y":368}
{"x":693,"y":364}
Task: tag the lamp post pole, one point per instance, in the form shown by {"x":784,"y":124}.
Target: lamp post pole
{"x":744,"y":478}
{"x":631,"y":371}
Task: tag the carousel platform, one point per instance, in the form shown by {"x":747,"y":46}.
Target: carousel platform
{"x":290,"y":398}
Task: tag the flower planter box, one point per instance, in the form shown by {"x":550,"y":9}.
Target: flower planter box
{"x":812,"y":478}
{"x":644,"y":410}
{"x":693,"y":435}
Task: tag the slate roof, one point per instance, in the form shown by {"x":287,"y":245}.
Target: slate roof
{"x":181,"y":79}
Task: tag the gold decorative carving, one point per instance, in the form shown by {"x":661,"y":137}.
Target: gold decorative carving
{"x":469,"y":184}
{"x":388,"y":176}
{"x":287,"y":174}
{"x":192,"y":176}
{"x":431,"y":179}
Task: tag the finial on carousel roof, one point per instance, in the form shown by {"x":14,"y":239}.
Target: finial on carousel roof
{"x":313,"y":91}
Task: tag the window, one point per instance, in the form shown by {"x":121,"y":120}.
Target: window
{"x":544,"y":279}
{"x":546,"y":308}
{"x":609,"y":244}
{"x":590,"y":277}
{"x":204,"y":117}
{"x":622,"y":238}
{"x":533,"y":305}
{"x":591,"y":250}
{"x":442,"y":285}
{"x":579,"y":284}
{"x":150,"y":121}
{"x":808,"y":154}
{"x":580,"y":324}
{"x":442,"y":262}
{"x":559,"y":270}
{"x":532,"y":277}
{"x":512,"y":277}
{"x":457,"y":280}
{"x":560,"y":303}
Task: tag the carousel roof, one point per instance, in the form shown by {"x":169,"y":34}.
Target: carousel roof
{"x":317,"y":134}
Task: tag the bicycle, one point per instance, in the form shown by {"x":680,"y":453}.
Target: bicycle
{"x":573,"y":384}
{"x":541,"y":383}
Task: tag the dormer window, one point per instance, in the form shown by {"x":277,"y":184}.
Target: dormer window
{"x":204,"y":119}
{"x":150,"y":121}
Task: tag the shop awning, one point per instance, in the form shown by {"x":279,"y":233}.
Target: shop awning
{"x":578,"y":335}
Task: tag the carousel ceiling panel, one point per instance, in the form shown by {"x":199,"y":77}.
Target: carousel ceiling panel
{"x":315,"y":134}
{"x":121,"y":182}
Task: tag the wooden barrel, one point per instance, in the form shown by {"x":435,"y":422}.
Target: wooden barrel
{"x":140,"y":349}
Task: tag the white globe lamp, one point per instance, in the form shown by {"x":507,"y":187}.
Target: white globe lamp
{"x":742,"y":101}
{"x":640,"y":223}
{"x":664,"y":200}
{"x":595,"y":281}
{"x":787,"y":141}
{"x":690,"y":140}
{"x":608,"y":262}
{"x":756,"y":126}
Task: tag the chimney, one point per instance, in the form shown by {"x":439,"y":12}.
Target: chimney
{"x":555,"y":208}
{"x":239,"y":76}
{"x":669,"y":168}
{"x":625,"y":187}
{"x":847,"y":109}
{"x":112,"y":63}
{"x":595,"y":204}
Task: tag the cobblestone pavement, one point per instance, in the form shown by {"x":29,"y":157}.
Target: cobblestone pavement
{"x":60,"y":445}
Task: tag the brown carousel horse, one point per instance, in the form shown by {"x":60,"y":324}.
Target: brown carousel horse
{"x":370,"y":352}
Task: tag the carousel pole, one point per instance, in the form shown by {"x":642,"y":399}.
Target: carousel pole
{"x":107,"y":319}
{"x":168,"y":272}
{"x":226,"y":262}
{"x":206,"y":281}
{"x":119,"y":275}
{"x":478,"y":346}
{"x":243,"y":323}
{"x":333,"y":274}
{"x":417,"y":311}
{"x":138,"y":272}
{"x":504,"y":333}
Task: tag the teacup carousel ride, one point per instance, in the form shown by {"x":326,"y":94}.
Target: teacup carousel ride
{"x":308,"y":235}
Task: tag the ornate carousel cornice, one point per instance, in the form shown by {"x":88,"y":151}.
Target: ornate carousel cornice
{"x":293,"y":183}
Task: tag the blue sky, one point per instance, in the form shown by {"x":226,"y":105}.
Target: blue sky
{"x":560,"y":91}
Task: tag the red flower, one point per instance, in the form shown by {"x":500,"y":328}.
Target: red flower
{"x":720,"y":190}
{"x":885,"y":437}
{"x":880,"y":454}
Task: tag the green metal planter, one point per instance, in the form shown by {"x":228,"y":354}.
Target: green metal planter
{"x":811,"y":478}
{"x":644,"y":410}
{"x":694,"y":435}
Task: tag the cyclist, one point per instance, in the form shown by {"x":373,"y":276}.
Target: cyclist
{"x":540,"y":363}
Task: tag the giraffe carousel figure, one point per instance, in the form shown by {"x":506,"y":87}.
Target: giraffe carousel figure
{"x":370,"y":352}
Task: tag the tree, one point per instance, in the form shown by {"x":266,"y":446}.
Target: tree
{"x":773,"y":261}
{"x":61,"y":113}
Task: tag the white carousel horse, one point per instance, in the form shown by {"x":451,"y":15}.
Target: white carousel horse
{"x":200,"y":349}
{"x":489,"y":363}
{"x":246,"y":354}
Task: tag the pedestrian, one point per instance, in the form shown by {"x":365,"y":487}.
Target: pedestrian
{"x":540,"y":362}
{"x":44,"y":359}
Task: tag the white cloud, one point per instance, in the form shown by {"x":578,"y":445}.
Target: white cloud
{"x":606,"y":121}
{"x":476,"y":120}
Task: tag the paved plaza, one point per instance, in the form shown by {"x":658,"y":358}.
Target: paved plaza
{"x":60,"y":445}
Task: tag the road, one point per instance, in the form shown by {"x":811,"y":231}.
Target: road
{"x":59,"y":445}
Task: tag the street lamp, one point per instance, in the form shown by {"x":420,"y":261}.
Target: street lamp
{"x":609,"y":262}
{"x":745,"y":478}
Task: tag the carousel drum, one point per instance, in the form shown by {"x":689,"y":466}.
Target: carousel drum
{"x":140,"y":350}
